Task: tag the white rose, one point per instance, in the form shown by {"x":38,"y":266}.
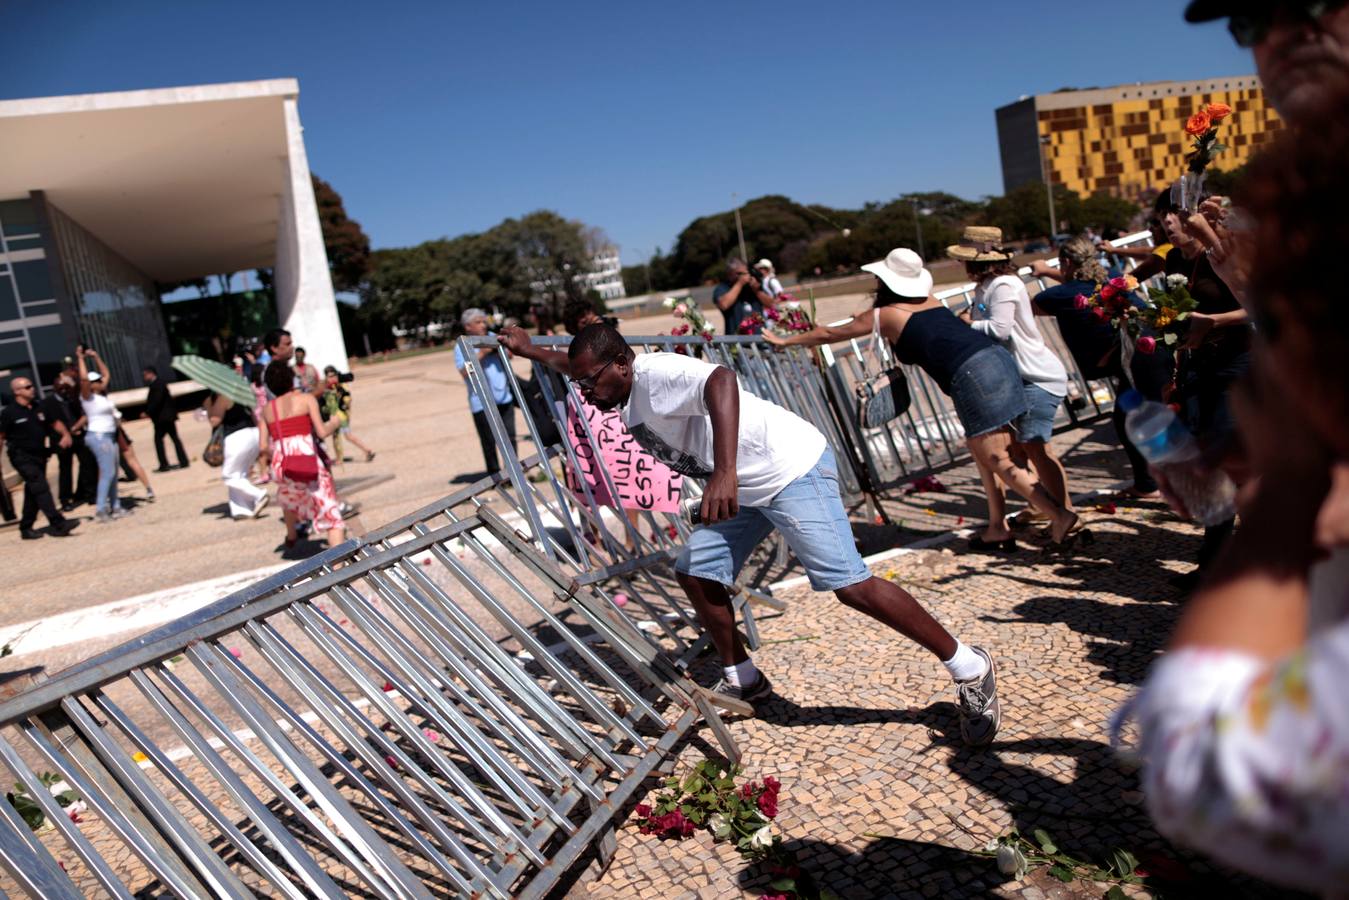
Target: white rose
{"x":669,"y":303}
{"x":1011,"y":861}
{"x":763,"y":837}
{"x":707,"y":328}
{"x":1176,"y":281}
{"x":792,"y":305}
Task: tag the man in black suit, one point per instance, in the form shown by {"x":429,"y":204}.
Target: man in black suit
{"x":159,"y":407}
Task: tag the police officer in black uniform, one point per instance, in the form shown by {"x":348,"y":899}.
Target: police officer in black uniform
{"x":24,"y":427}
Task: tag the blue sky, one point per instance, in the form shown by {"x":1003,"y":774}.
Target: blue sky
{"x":440,"y":118}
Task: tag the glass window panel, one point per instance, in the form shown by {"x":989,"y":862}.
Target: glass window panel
{"x":18,"y":217}
{"x":9,"y":307}
{"x":27,"y":243}
{"x":32,"y":278}
{"x":49,"y":347}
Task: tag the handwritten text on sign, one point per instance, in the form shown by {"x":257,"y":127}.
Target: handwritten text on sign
{"x":641,"y":481}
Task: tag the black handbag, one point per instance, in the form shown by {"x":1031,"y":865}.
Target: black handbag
{"x":884,"y":395}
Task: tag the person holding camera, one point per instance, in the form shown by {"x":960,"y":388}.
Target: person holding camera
{"x":740,"y":296}
{"x":337,"y":404}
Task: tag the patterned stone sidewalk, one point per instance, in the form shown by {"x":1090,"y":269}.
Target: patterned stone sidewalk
{"x":879,"y":796}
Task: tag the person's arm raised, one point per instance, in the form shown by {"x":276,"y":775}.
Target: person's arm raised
{"x":722,"y":396}
{"x":517,"y":341}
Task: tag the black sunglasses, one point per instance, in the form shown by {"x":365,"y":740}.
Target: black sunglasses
{"x":1252,"y":26}
{"x":588,"y":383}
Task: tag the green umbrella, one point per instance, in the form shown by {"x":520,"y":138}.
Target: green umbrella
{"x":218,"y":377}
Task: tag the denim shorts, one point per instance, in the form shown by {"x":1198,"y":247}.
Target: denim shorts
{"x":809,"y":514}
{"x":987,"y":392}
{"x":1037,"y":423}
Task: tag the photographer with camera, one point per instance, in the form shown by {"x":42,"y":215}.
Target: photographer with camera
{"x":740,"y":296}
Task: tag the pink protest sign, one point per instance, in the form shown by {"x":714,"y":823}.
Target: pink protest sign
{"x":642,"y":482}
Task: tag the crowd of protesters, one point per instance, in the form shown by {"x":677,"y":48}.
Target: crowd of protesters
{"x":79,"y":423}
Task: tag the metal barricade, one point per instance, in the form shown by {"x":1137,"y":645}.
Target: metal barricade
{"x":438,"y":709}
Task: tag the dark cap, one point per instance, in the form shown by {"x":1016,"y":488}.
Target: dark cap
{"x":1208,"y":10}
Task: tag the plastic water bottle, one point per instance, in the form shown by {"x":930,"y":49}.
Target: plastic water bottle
{"x":1167,"y":445}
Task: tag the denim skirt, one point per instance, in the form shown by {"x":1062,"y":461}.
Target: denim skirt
{"x":987,"y":392}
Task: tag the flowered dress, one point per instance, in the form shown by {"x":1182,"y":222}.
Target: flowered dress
{"x":313,"y":500}
{"x":1249,"y":761}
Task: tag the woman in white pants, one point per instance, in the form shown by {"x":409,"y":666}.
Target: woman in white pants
{"x":241,"y":450}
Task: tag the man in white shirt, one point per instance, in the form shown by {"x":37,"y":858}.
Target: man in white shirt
{"x":765,"y":469}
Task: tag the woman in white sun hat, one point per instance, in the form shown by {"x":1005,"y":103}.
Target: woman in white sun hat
{"x":980,"y":377}
{"x":1001,"y":309}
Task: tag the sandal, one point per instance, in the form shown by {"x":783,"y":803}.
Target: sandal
{"x":979,"y":545}
{"x":1026,"y":518}
{"x":1073,"y":541}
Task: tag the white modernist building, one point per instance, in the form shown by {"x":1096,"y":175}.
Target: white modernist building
{"x":103,"y":195}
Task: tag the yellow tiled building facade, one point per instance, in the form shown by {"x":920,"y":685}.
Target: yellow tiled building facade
{"x":1128,"y":139}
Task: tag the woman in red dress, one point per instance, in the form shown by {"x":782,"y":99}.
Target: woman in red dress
{"x":289,"y":429}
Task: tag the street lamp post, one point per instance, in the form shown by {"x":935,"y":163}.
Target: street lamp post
{"x":740,"y":232}
{"x":918,"y":227}
{"x":1049,"y":185}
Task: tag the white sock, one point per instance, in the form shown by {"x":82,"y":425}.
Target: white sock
{"x":965,"y":664}
{"x":741,"y":674}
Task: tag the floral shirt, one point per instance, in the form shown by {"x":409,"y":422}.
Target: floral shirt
{"x":1249,"y":762}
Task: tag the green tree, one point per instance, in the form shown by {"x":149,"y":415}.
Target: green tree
{"x":1024,"y":211}
{"x":550,"y":252}
{"x":344,"y":240}
{"x":1103,"y":212}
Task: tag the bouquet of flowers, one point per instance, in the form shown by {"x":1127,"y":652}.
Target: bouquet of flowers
{"x":787,"y":318}
{"x":1163,"y":311}
{"x":1203,"y":127}
{"x":692,"y":319}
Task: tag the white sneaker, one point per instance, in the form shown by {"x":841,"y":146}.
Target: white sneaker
{"x":262,"y":504}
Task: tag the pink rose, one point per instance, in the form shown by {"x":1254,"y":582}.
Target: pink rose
{"x":1081,"y":301}
{"x":681,"y":310}
{"x":1119,"y":284}
{"x":1147,"y":345}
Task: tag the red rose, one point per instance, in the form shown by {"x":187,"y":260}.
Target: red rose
{"x":1147,"y":345}
{"x":1101,"y":314}
{"x":768,"y":804}
{"x":1081,"y":301}
{"x":643,"y":810}
{"x":1218,"y":111}
{"x":1108,"y":291}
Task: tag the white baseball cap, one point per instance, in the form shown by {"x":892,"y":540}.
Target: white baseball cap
{"x":902,"y":271}
{"x":763,"y":264}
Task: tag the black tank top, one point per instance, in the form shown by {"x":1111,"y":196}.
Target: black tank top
{"x":938,"y":343}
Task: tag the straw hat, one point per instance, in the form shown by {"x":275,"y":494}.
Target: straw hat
{"x":979,"y":243}
{"x":902,"y":271}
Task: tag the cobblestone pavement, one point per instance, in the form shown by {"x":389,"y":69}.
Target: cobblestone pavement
{"x":879,"y":796}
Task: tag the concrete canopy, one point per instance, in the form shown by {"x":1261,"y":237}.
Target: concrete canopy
{"x":181,"y":182}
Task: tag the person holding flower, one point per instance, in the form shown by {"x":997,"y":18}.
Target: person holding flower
{"x":741,"y":296}
{"x":1242,"y":725}
{"x":1216,"y":352}
{"x":1095,"y":344}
